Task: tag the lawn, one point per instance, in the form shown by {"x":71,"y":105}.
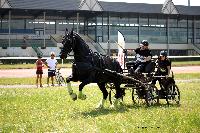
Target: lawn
{"x":28,"y":66}
{"x":51,"y":110}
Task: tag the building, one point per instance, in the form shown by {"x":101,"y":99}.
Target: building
{"x":37,"y":25}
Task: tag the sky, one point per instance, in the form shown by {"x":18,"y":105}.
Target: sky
{"x":176,"y":2}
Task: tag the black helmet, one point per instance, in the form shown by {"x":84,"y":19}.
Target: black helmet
{"x":145,"y":42}
{"x":163,"y":53}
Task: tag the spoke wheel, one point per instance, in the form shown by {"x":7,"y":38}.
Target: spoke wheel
{"x":61,"y":81}
{"x":112,"y":92}
{"x":137,"y":97}
{"x":173,"y":94}
{"x":151,"y":96}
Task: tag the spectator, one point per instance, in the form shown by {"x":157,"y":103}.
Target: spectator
{"x":39,"y":71}
{"x":51,"y":63}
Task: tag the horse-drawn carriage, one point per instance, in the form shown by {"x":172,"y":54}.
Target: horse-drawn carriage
{"x":142,"y":88}
{"x":92,"y":67}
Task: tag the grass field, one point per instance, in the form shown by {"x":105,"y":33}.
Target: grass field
{"x":32,"y":66}
{"x":51,"y":110}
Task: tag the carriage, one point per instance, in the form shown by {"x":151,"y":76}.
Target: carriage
{"x":92,"y":67}
{"x":142,"y":88}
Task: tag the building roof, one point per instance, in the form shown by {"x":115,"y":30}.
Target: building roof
{"x":146,"y":8}
{"x":106,"y":6}
{"x":45,"y":4}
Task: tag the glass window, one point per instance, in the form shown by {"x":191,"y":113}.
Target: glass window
{"x":153,"y":34}
{"x":99,"y":21}
{"x":143,"y":21}
{"x":190,"y":23}
{"x":153,"y":22}
{"x":133,"y":21}
{"x":198,"y":23}
{"x":173,"y":23}
{"x":182,"y":23}
{"x":61,"y":25}
{"x":114,"y":21}
{"x":17,"y":24}
{"x":4,"y":23}
{"x":105,"y":20}
{"x":30,"y":24}
{"x":162,"y":22}
{"x":123,"y":21}
{"x":178,"y":35}
{"x":198,"y":35}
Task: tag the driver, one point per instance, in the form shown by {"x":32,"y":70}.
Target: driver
{"x":143,"y":57}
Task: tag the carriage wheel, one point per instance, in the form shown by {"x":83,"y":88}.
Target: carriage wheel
{"x":61,"y":81}
{"x":135,"y":97}
{"x":173,"y":94}
{"x":112,"y":92}
{"x":111,"y":88}
{"x":151,"y":96}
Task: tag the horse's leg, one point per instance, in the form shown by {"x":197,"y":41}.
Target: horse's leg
{"x":69,"y":89}
{"x":85,"y":82}
{"x":105,"y":95}
{"x":118,"y":95}
{"x":81,"y":95}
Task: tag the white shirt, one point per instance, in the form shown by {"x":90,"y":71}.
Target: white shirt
{"x":51,"y":63}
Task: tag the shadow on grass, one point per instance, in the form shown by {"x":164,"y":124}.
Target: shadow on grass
{"x":124,"y":108}
{"x":104,"y":111}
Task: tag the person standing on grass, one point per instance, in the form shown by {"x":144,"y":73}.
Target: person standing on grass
{"x":39,"y":71}
{"x":51,"y":63}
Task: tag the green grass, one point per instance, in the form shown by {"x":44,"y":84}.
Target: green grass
{"x":187,"y":76}
{"x":52,"y":110}
{"x":20,"y":81}
{"x":185,"y":63}
{"x":27,"y":66}
{"x":31,"y":81}
{"x":32,"y":66}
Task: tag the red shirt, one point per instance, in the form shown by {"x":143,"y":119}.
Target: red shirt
{"x":39,"y":64}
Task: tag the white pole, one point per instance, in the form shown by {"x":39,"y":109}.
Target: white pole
{"x":188,"y":2}
{"x":9,"y":27}
{"x":44,"y":28}
{"x":77,"y":21}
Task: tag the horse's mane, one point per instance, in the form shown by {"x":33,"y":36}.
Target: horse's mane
{"x":81,"y":39}
{"x":100,"y":60}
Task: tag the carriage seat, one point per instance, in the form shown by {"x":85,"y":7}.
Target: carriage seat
{"x":149,"y":68}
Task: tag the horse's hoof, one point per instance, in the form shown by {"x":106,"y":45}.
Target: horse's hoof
{"x":99,"y":106}
{"x":115,"y":103}
{"x":73,"y":96}
{"x":113,"y":106}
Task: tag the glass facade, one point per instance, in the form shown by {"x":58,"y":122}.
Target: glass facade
{"x":103,"y":27}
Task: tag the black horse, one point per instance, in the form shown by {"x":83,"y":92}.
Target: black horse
{"x":90,"y":67}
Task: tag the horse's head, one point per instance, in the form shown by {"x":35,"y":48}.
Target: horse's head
{"x":68,"y":42}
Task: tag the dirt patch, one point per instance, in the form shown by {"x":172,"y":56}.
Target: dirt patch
{"x":186,"y":69}
{"x":21,"y":73}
